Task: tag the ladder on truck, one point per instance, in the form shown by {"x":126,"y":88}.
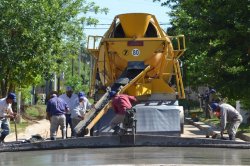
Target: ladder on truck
{"x":100,"y":108}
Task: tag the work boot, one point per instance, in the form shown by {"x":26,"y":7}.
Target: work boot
{"x":232,"y":137}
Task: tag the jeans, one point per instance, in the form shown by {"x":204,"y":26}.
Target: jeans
{"x":5,"y":126}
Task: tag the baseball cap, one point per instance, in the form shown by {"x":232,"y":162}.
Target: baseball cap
{"x":80,"y":94}
{"x":214,"y":106}
{"x":12,"y":96}
{"x":81,"y":97}
{"x":212,"y":91}
{"x":69,"y":88}
{"x":112,"y":93}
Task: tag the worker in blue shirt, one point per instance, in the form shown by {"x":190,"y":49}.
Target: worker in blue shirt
{"x":56,"y":110}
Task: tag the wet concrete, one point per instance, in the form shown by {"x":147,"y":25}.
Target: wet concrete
{"x":132,"y":155}
{"x":128,"y":156}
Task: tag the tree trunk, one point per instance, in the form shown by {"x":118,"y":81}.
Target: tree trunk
{"x":3,"y":88}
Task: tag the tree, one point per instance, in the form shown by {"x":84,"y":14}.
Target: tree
{"x":218,"y":52}
{"x":36,"y":37}
{"x":79,"y":75}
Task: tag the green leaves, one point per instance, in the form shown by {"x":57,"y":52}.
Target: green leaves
{"x":218,"y":43}
{"x":37,"y":34}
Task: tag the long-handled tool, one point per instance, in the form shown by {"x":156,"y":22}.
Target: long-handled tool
{"x":14,"y":119}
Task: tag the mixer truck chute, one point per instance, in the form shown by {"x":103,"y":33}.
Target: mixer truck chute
{"x":136,"y":44}
{"x":136,"y":57}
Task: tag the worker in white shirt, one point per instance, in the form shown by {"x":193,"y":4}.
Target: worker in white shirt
{"x":69,"y":97}
{"x":5,"y":113}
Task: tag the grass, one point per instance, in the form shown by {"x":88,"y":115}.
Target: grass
{"x":213,"y":120}
{"x":36,"y":111}
{"x":245,"y":128}
{"x":32,"y":111}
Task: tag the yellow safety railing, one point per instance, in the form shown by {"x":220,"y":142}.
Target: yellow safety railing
{"x":179,"y":45}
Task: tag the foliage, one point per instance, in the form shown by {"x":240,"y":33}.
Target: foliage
{"x":36,"y":111}
{"x":245,"y":128}
{"x":32,"y":112}
{"x":26,"y":94}
{"x":189,"y":104}
{"x":36,"y":37}
{"x":217,"y":34}
{"x":78,"y":80}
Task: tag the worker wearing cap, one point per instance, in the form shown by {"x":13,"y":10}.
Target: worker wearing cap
{"x":5,"y":113}
{"x":209,"y":97}
{"x":227,"y":114}
{"x":78,"y":113}
{"x":70,"y":98}
{"x":87,"y":104}
{"x":56,"y":109}
{"x":120,"y":104}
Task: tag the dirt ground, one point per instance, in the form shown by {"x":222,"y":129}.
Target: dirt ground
{"x":40,"y":127}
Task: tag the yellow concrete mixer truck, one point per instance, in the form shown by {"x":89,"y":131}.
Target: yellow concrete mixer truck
{"x":136,"y":57}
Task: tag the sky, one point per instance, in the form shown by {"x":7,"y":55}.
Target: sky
{"x":127,"y":6}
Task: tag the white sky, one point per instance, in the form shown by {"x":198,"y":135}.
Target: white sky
{"x":127,"y":6}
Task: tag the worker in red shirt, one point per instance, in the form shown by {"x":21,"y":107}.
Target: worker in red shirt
{"x":120,"y":104}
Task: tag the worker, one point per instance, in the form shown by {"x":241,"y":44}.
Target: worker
{"x":56,"y":110}
{"x":87,"y":104}
{"x":69,"y":97}
{"x":120,"y":103}
{"x":227,"y":113}
{"x":5,"y":113}
{"x":78,"y":113}
{"x":208,"y":98}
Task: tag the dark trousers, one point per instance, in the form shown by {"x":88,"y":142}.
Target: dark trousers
{"x":69,"y":122}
